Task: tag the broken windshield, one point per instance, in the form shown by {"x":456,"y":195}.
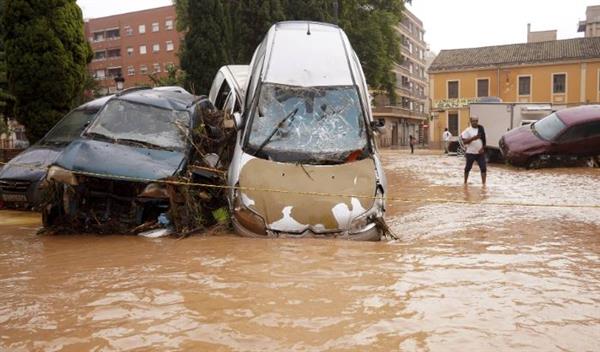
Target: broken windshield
{"x":307,"y":123}
{"x":69,"y":128}
{"x":150,"y":126}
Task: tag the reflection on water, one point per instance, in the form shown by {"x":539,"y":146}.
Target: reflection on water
{"x":464,"y":277}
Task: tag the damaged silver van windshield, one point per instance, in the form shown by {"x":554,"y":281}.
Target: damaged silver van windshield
{"x":307,"y":124}
{"x":126,"y":122}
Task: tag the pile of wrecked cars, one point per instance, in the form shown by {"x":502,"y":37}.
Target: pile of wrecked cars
{"x":283,"y":147}
{"x":121,"y":175}
{"x":21,"y":177}
{"x":305,"y":162}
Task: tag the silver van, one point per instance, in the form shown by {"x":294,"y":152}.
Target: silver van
{"x":305,"y":161}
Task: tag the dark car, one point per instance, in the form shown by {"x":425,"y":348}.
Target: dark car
{"x":565,"y":136}
{"x":105,"y":178}
{"x":20,"y":178}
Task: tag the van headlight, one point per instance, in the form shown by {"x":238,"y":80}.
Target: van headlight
{"x":246,"y":217}
{"x":366,"y":221}
{"x":58,"y":174}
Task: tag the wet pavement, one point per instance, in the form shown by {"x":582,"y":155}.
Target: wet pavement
{"x":478,"y":276}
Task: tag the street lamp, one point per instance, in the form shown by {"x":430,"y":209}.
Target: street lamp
{"x":119,"y":82}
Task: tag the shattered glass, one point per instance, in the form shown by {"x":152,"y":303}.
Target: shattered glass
{"x":125,"y":121}
{"x":308,"y":122}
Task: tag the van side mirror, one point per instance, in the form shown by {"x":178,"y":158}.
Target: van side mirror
{"x":237,"y":120}
{"x":378,"y":125}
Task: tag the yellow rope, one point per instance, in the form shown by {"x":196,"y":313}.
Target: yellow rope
{"x":318,"y":194}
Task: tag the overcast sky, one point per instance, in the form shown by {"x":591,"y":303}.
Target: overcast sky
{"x":449,"y":24}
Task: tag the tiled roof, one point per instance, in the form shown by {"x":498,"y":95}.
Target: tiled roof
{"x":517,"y":54}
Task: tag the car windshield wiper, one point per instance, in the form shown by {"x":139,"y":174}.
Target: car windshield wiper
{"x":140,"y":143}
{"x":101,"y":136}
{"x":289,"y":116}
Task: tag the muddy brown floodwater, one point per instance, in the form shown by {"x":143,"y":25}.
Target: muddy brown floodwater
{"x":463,"y":277}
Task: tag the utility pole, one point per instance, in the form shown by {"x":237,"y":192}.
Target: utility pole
{"x":336,"y":11}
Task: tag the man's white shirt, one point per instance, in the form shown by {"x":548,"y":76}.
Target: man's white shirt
{"x":446,"y":136}
{"x":475,"y":146}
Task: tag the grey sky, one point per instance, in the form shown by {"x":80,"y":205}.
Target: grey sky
{"x":449,"y":24}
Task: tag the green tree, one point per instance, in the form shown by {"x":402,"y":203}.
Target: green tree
{"x":206,"y":44}
{"x":175,"y":77}
{"x":242,"y":24}
{"x":47,"y":54}
{"x":6,"y":99}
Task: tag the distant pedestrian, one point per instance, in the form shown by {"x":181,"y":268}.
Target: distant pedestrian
{"x":412,"y":141}
{"x":474,"y":138}
{"x":446,"y":137}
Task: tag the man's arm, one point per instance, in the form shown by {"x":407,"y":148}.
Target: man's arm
{"x":482,"y":134}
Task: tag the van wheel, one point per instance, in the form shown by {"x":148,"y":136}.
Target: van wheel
{"x":593,"y":161}
{"x":534,"y":163}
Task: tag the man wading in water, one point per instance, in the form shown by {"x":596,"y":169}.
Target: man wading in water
{"x":474,"y":138}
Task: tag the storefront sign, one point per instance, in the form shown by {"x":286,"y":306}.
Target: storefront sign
{"x":449,"y":104}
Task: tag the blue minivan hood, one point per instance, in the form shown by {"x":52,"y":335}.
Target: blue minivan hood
{"x":117,"y":160}
{"x":31,"y":164}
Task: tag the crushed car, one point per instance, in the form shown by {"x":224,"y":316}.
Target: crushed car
{"x":305,"y":162}
{"x":566,"y":137}
{"x":130,"y":169}
{"x":21,"y":177}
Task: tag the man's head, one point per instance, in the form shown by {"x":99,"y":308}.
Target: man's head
{"x":445,"y":129}
{"x":474,"y":121}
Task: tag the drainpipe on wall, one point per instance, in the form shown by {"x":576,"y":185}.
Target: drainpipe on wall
{"x":498,"y":81}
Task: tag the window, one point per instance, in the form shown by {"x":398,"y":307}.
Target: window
{"x":156,"y":68}
{"x":99,"y":74}
{"x":143,"y":49}
{"x":155,"y":27}
{"x":142,"y":28}
{"x":128,"y":31}
{"x":169,"y":66}
{"x":170,"y":46}
{"x":453,"y":123}
{"x":453,"y":90}
{"x":130,"y":71}
{"x":113,"y":53}
{"x":129,"y":51}
{"x":584,"y":131}
{"x":114,"y":72}
{"x":143,"y":69}
{"x":483,"y":87}
{"x":169,"y":25}
{"x":559,"y":81}
{"x":98,"y":37}
{"x":155,"y":48}
{"x":525,"y":85}
{"x":100,"y":55}
{"x":112,"y":34}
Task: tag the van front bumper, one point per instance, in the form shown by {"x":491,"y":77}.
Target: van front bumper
{"x":371,"y":233}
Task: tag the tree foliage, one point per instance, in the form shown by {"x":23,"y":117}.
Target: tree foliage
{"x":6,"y":99}
{"x":175,"y":77}
{"x":241,"y":24}
{"x":46,"y":56}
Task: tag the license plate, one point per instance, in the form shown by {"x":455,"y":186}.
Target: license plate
{"x":14,"y":198}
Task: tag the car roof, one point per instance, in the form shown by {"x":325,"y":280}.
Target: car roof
{"x":580,"y":114}
{"x":308,"y":54}
{"x":96,"y":104}
{"x":171,"y":99}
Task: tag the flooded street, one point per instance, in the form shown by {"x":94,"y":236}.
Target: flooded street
{"x":485,"y":272}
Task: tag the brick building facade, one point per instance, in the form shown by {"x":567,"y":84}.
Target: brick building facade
{"x":133,"y":45}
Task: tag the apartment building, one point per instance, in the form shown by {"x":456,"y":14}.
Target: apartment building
{"x":591,"y":25}
{"x":133,"y":45}
{"x":561,"y":72}
{"x":408,"y":116}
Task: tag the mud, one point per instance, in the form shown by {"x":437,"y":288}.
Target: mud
{"x":466,"y":277}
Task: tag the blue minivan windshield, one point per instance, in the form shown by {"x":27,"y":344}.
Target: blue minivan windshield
{"x":307,"y":123}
